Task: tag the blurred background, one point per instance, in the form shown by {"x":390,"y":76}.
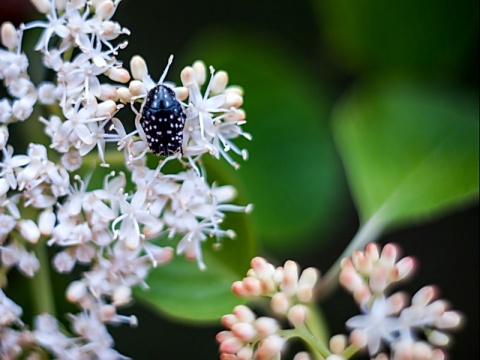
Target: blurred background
{"x":296,"y":60}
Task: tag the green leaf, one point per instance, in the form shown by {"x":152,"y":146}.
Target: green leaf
{"x":181,"y":290}
{"x":292,"y":176}
{"x":410,"y":152}
{"x":426,"y":37}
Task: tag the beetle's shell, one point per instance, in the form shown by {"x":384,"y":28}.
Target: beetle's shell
{"x":163,"y":120}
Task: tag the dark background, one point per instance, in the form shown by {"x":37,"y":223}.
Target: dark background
{"x":447,"y":248}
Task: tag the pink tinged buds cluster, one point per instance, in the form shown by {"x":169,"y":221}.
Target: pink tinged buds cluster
{"x":249,"y":337}
{"x":390,"y":326}
{"x":409,"y":328}
{"x":44,"y":202}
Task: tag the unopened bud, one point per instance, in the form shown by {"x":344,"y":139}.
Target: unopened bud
{"x":200,"y":71}
{"x":76,"y":291}
{"x":119,"y":74}
{"x":9,"y":35}
{"x":46,"y":222}
{"x":30,"y":231}
{"x":42,"y":5}
{"x":219,"y":82}
{"x":136,"y":88}
{"x":105,"y":10}
{"x":138,"y":67}
{"x":124,"y":95}
{"x":106,"y":108}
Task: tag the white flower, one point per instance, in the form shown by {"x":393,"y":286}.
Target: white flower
{"x":377,"y":324}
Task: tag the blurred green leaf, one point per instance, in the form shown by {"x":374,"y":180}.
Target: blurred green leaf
{"x":424,"y":36}
{"x":410,"y":152}
{"x":180,"y":289}
{"x":293,"y":175}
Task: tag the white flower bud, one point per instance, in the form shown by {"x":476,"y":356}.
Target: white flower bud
{"x":8,"y":35}
{"x":30,"y":231}
{"x":181,"y":93}
{"x":76,"y":291}
{"x":119,"y":74}
{"x":124,"y":95}
{"x":136,"y":88}
{"x":219,"y":82}
{"x":138,"y":67}
{"x":97,"y":3}
{"x":108,"y":92}
{"x":338,"y":343}
{"x":200,"y":71}
{"x":233,"y":100}
{"x":3,"y":136}
{"x":106,"y":108}
{"x":46,"y":222}
{"x":438,"y":338}
{"x":122,"y":295}
{"x":105,"y":9}
{"x":4,"y":186}
{"x":42,"y":5}
{"x":187,"y":76}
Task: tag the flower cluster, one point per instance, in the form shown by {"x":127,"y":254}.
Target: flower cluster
{"x":411,"y":330}
{"x":249,"y":337}
{"x":414,"y":331}
{"x":45,"y":194}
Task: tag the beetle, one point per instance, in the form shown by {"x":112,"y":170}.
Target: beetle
{"x":162,"y":121}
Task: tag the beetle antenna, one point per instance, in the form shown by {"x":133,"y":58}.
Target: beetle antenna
{"x":170,"y":59}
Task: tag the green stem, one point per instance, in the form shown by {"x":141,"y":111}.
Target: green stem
{"x":368,"y":232}
{"x":305,"y":334}
{"x":41,"y":291}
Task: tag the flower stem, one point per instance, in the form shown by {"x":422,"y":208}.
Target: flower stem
{"x":41,"y":291}
{"x":305,"y":334}
{"x":368,"y":232}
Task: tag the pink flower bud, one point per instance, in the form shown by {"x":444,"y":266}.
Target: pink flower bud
{"x":266,"y":326}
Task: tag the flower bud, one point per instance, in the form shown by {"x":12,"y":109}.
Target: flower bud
{"x":30,"y":231}
{"x":106,"y":108}
{"x":137,"y":88}
{"x":8,"y":35}
{"x":138,"y":67}
{"x":219,"y":82}
{"x":338,"y":343}
{"x":46,"y":222}
{"x":124,"y":95}
{"x":105,"y":10}
{"x":119,"y":74}
{"x":76,"y":291}
{"x":266,"y":326}
{"x":200,"y":72}
{"x":42,"y":5}
{"x":297,"y":315}
{"x":122,"y":295}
